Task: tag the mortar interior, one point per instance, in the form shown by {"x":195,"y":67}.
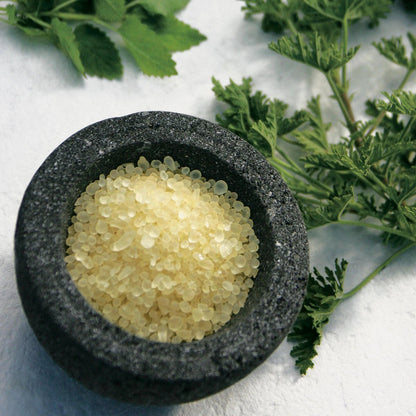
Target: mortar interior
{"x":211,"y":167}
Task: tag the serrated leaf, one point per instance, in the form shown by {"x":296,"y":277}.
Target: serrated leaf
{"x":110,"y":10}
{"x":400,"y":102}
{"x":327,"y":212}
{"x":412,"y":40}
{"x":98,"y":53}
{"x":391,"y":124}
{"x":263,"y":136}
{"x":376,"y":10}
{"x":367,"y":205}
{"x":272,"y":126}
{"x":313,"y":139}
{"x":67,"y":43}
{"x":237,"y":117}
{"x":149,"y":53}
{"x":246,"y":109}
{"x":163,"y":7}
{"x":324,"y":293}
{"x":175,"y":34}
{"x":338,"y":158}
{"x":369,"y":174}
{"x":351,"y":10}
{"x":254,"y":117}
{"x":334,"y":10}
{"x":393,"y":49}
{"x":288,"y":125}
{"x":385,"y":148}
{"x":314,"y":52}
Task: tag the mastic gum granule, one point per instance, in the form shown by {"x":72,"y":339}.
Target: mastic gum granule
{"x":162,"y":252}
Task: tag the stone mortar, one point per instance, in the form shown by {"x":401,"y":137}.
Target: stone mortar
{"x":101,"y":355}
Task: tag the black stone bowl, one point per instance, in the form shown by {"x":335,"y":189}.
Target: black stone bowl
{"x":101,"y":355}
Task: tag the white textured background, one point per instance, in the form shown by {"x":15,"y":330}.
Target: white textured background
{"x":366,"y":364}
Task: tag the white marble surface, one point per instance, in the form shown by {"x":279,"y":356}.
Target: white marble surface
{"x":366,"y":364}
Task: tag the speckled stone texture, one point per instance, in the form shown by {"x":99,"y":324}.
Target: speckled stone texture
{"x":102,"y":356}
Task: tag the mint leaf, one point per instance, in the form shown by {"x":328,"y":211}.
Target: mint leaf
{"x":149,"y":53}
{"x":67,"y":42}
{"x":163,"y":7}
{"x":177,"y":35}
{"x":110,"y":10}
{"x":98,"y":53}
{"x":148,"y":27}
{"x":176,"y":5}
{"x":11,"y":14}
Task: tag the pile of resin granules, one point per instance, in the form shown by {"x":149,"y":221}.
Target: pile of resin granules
{"x":162,"y":252}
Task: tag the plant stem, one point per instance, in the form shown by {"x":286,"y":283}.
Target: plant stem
{"x":79,"y":17}
{"x":377,"y":271}
{"x":346,"y":100}
{"x":281,"y":166}
{"x":304,"y":198}
{"x":133,"y":3}
{"x":378,"y":227}
{"x":63,"y":5}
{"x":291,"y":26}
{"x":342,"y":102}
{"x":38,"y":21}
{"x":292,"y":167}
{"x":382,"y":186}
{"x":376,"y":184}
{"x":408,"y":127}
{"x":362,"y":224}
{"x":69,"y":16}
{"x":405,"y":79}
{"x":344,"y":51}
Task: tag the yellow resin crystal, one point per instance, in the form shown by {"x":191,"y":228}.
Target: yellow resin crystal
{"x":162,"y":252}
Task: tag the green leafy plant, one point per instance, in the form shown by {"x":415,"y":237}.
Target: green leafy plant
{"x":368,"y":178}
{"x":84,"y":31}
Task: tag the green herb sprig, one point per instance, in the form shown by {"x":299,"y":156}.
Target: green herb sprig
{"x":368,"y":179}
{"x":87,"y":32}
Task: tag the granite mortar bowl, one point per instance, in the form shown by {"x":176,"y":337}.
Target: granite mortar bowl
{"x":101,"y":355}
